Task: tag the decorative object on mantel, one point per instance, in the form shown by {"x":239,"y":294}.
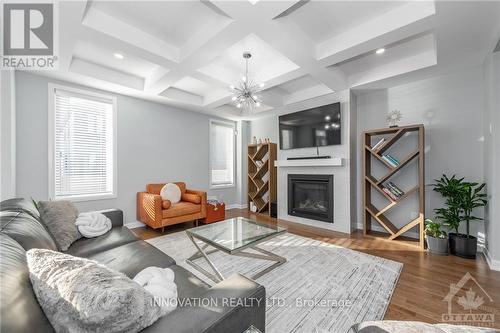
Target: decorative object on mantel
{"x":388,"y":189}
{"x":246,"y":92}
{"x":262,"y":176}
{"x":254,"y":140}
{"x":394,"y":117}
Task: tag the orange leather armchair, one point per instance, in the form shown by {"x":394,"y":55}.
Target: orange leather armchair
{"x":158,"y":213}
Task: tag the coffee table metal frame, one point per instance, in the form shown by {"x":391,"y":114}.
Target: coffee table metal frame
{"x":217,"y":276}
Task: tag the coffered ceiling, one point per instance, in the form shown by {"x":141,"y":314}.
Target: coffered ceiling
{"x":187,"y":53}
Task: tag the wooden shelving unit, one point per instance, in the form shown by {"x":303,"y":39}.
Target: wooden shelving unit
{"x":262,"y":176}
{"x":372,"y":213}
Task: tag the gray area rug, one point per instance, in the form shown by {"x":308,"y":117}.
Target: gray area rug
{"x":321,"y":288}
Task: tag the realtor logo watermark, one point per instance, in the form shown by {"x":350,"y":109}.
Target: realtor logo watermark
{"x":469,"y":304}
{"x":30,"y":38}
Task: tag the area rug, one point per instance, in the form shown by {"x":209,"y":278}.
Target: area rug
{"x":321,"y":288}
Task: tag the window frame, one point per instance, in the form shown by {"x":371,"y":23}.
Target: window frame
{"x":233,"y":126}
{"x":52,"y":87}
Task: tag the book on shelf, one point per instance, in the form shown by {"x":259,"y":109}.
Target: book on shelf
{"x":390,"y":194}
{"x":391,"y":160}
{"x":394,"y":189}
{"x":379,"y":144}
{"x":388,"y":160}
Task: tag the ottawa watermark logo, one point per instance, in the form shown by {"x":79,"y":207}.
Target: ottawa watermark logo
{"x":29,"y":33}
{"x":469,"y":304}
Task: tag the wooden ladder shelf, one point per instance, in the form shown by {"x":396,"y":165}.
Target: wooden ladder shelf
{"x":372,"y":213}
{"x":262,"y":176}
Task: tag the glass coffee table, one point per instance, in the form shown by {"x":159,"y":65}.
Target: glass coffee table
{"x":233,"y":236}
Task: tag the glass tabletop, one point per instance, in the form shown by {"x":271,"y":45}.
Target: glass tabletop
{"x":234,"y":234}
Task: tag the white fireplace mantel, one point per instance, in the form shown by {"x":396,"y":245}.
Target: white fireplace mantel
{"x":325,"y":162}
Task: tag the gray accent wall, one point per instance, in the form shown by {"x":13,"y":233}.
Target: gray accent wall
{"x":450,"y":107}
{"x":156,"y":143}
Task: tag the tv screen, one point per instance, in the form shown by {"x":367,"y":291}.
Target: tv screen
{"x":315,"y":127}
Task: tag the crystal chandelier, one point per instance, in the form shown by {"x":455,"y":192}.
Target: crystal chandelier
{"x":246,"y":92}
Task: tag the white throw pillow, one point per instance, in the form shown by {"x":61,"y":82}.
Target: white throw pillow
{"x":171,"y":192}
{"x":81,"y":295}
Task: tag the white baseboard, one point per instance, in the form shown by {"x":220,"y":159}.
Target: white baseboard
{"x":134,"y":224}
{"x":494,"y":264}
{"x":236,"y":206}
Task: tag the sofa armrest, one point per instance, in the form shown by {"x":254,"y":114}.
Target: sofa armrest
{"x":203,"y":196}
{"x":149,"y":209}
{"x":233,"y":306}
{"x":115,"y":215}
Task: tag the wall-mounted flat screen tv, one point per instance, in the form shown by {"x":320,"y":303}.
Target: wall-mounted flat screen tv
{"x":316,"y":127}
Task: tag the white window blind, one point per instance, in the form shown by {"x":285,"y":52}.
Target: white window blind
{"x":83,"y":148}
{"x":221,"y":153}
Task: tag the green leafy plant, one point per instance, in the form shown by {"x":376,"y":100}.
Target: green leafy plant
{"x":472,"y":197}
{"x":451,"y":189}
{"x":433,"y":229}
{"x":461,"y":199}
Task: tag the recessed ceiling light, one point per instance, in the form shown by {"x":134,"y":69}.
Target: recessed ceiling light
{"x":380,"y":51}
{"x":118,"y":56}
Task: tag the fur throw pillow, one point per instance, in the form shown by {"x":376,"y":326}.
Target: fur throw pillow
{"x":81,"y":295}
{"x":59,"y":218}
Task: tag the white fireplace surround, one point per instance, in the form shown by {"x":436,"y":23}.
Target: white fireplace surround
{"x":339,"y":165}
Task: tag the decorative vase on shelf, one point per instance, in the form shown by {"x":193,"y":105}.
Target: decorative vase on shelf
{"x":394,"y":117}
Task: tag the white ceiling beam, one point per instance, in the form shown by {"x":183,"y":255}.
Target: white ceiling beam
{"x":301,"y":51}
{"x":112,"y":26}
{"x":90,"y":69}
{"x":181,"y":95}
{"x":402,"y":22}
{"x":69,"y":28}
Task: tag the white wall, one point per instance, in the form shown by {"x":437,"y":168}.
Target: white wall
{"x":265,"y":127}
{"x":450,"y":107}
{"x":492,"y":158}
{"x":156,"y":143}
{"x":7,"y":135}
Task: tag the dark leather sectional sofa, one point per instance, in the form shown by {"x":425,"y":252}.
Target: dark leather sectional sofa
{"x":21,"y":230}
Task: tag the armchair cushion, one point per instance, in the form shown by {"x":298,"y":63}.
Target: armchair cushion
{"x":156,"y":188}
{"x":193,"y":198}
{"x":166,"y":204}
{"x":181,"y":208}
{"x":171,"y":192}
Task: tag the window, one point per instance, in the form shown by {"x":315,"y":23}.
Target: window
{"x":221,"y":154}
{"x":82,"y":144}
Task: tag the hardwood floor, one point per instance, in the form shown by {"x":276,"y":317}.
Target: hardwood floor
{"x":424,"y":281}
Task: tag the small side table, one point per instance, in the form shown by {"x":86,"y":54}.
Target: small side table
{"x":215,"y":213}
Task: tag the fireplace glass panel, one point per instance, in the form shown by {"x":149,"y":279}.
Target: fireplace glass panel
{"x":311,"y":196}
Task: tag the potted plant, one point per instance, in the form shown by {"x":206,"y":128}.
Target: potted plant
{"x":437,"y":241}
{"x":436,"y":238}
{"x":465,"y":245}
{"x":461,"y":199}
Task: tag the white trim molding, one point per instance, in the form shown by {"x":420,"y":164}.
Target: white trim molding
{"x":236,"y":206}
{"x":493,"y":263}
